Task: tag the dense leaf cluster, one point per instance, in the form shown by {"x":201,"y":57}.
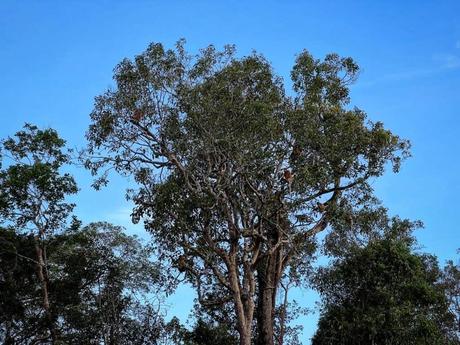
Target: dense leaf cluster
{"x":383,"y":294}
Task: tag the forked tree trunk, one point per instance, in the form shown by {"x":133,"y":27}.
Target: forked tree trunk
{"x":245,"y":337}
{"x":244,"y":311}
{"x":244,"y":325}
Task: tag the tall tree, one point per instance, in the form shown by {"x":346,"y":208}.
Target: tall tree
{"x":383,"y":294}
{"x":32,"y":197}
{"x":235,"y":177}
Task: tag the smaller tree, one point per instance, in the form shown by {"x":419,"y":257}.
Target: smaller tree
{"x":383,"y":294}
{"x":32,"y":198}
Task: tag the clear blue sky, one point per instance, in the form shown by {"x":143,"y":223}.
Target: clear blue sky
{"x":55,"y":56}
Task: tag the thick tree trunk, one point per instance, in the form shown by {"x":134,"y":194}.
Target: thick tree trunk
{"x":265,"y":319}
{"x":267,"y":281}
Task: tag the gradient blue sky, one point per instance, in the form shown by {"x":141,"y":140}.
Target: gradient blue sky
{"x":55,"y":56}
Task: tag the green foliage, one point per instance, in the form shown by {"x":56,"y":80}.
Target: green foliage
{"x":383,"y":294}
{"x":107,"y":277}
{"x":369,"y":224}
{"x":32,"y":188}
{"x":99,"y":283}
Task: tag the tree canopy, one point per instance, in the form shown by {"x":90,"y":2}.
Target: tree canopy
{"x":383,"y":294}
{"x":33,"y":193}
{"x":235,"y":176}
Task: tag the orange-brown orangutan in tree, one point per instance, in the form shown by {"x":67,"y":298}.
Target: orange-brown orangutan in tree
{"x":296,"y":152}
{"x":289,"y":177}
{"x":321,"y":207}
{"x":181,"y":263}
{"x":137,"y":115}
